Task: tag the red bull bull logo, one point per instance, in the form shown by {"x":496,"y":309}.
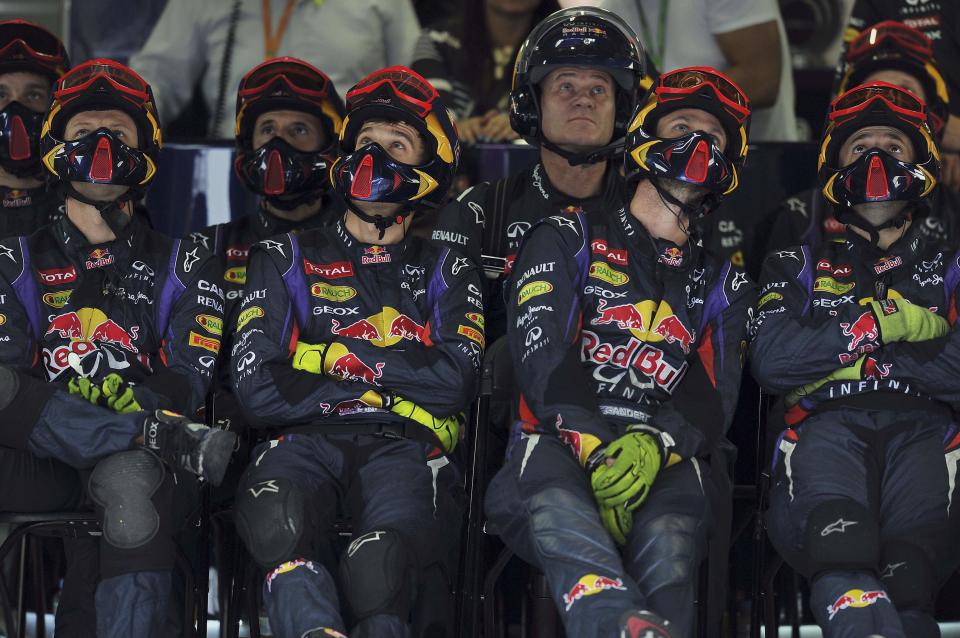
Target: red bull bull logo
{"x":626,"y":316}
{"x":360,"y":329}
{"x":856,"y":598}
{"x":98,"y":258}
{"x":671,"y":256}
{"x":375,"y":255}
{"x":82,"y":330}
{"x":863,"y":329}
{"x":110,"y":332}
{"x":591,"y":585}
{"x":673,"y":331}
{"x":349,"y":367}
{"x":404,"y":327}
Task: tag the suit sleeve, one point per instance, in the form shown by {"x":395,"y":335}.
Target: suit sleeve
{"x":701,"y":410}
{"x":22,"y":314}
{"x":544,"y":317}
{"x":933,"y":366}
{"x":791,"y":345}
{"x":439,"y":371}
{"x":192,"y":333}
{"x":460,"y":224}
{"x":269,"y":389}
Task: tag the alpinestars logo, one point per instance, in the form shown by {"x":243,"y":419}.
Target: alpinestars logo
{"x":840,"y":526}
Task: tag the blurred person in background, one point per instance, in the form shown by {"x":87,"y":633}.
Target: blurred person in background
{"x":217,"y":41}
{"x":469,"y":59}
{"x":31,"y":61}
{"x":743,"y":38}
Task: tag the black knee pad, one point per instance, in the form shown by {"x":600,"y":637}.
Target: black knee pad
{"x":840,"y":534}
{"x":9,"y":385}
{"x":378,"y":576}
{"x":907,"y":575}
{"x":271,"y":517}
{"x":123,"y":484}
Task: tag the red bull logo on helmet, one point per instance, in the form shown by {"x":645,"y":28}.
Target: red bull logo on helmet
{"x":856,"y":598}
{"x":590,"y":585}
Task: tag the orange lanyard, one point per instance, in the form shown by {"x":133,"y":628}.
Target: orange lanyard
{"x":271,"y":41}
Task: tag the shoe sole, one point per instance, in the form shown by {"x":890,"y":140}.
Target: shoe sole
{"x":123,"y":484}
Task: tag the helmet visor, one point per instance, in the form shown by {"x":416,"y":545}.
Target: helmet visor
{"x":396,"y":82}
{"x":683,"y":82}
{"x":118,"y":76}
{"x":299,"y":77}
{"x":890,"y":35}
{"x":859,"y":99}
{"x":24,"y":40}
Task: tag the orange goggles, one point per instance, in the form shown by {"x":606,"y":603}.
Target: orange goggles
{"x":683,"y":82}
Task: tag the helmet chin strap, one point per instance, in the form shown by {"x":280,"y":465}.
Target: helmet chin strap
{"x":706,"y":205}
{"x":290,"y":203}
{"x":586,"y":157}
{"x":112,"y":212}
{"x":851,"y":217}
{"x":382,"y":223}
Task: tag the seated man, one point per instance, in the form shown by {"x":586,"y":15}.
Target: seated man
{"x":857,"y":335}
{"x":31,"y":61}
{"x":359,"y":344}
{"x":124,"y":317}
{"x":886,"y":52}
{"x":607,"y":314}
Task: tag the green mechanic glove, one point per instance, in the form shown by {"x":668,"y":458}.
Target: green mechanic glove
{"x":87,"y":389}
{"x":119,"y":395}
{"x":900,"y":320}
{"x":309,"y":357}
{"x":866,"y":367}
{"x":446,"y":430}
{"x":637,"y":457}
{"x":618,"y":521}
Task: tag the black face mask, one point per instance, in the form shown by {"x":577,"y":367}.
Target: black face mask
{"x":101,"y":158}
{"x":20,"y":140}
{"x":284,"y":176}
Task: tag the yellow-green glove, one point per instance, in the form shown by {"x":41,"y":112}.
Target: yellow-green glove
{"x":446,"y":430}
{"x":309,"y":357}
{"x":119,"y":395}
{"x":637,"y":457}
{"x":866,"y":367}
{"x":618,"y":521}
{"x":900,"y":320}
{"x":87,"y":389}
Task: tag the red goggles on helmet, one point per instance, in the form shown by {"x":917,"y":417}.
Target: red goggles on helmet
{"x":299,"y":77}
{"x":118,"y":76}
{"x":892,"y":35}
{"x":858,"y":99}
{"x":683,"y":82}
{"x":395,"y":82}
{"x":25,"y":40}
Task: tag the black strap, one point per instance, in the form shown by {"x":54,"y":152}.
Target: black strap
{"x":494,"y":228}
{"x":225,"y":64}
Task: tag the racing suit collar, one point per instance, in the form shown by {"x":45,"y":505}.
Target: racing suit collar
{"x":661,"y":251}
{"x":907,"y":249}
{"x":19,"y":197}
{"x":78,"y":248}
{"x":545,"y":188}
{"x":370,"y":254}
{"x":271,"y":225}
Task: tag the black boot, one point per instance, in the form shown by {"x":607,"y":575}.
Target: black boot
{"x":191,"y":446}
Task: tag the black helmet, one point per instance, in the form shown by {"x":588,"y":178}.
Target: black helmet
{"x":285,"y":176}
{"x":578,"y":36}
{"x":26,"y":47}
{"x":894,"y":45}
{"x":695,"y":157}
{"x":369,"y":173}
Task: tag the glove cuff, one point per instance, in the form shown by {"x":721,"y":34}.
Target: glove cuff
{"x":663,"y":440}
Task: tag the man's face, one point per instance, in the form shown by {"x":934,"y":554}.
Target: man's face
{"x":898,"y":78}
{"x":86,"y":122}
{"x":401,"y":141}
{"x":886,"y":138}
{"x":682,"y":121}
{"x":303,"y":131}
{"x":578,"y":107}
{"x":30,"y":89}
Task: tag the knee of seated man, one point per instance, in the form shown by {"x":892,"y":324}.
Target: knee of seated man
{"x":271,"y":517}
{"x":378,"y":575}
{"x":908,"y":575}
{"x":840,"y":534}
{"x":668,"y":549}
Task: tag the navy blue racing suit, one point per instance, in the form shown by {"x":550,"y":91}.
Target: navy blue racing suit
{"x":403,"y":319}
{"x":604,"y":324}
{"x":863,"y":500}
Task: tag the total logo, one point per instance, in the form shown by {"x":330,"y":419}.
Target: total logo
{"x":614,"y":255}
{"x":56,"y":276}
{"x":383,"y":329}
{"x":590,"y":585}
{"x":334,"y":270}
{"x":647,"y":321}
{"x":375,"y":255}
{"x":85,"y":328}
